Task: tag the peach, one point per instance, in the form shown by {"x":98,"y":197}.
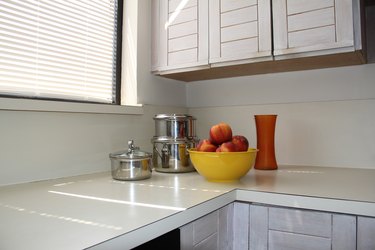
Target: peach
{"x":206,"y":146}
{"x":220,"y":133}
{"x":227,"y":147}
{"x":241,"y":143}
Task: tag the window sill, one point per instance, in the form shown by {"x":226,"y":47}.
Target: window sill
{"x":15,"y":104}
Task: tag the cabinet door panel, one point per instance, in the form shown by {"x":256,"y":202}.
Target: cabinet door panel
{"x":264,"y":24}
{"x":183,"y":16}
{"x":345,"y":22}
{"x":312,"y":19}
{"x":307,"y":28}
{"x":344,"y":232}
{"x":290,"y":241}
{"x":258,"y":235}
{"x":225,"y":230}
{"x":228,"y":5}
{"x":186,"y":237}
{"x":183,"y":43}
{"x":182,"y":35}
{"x":240,"y":31}
{"x":241,"y":226}
{"x":213,"y":231}
{"x":239,"y":48}
{"x":183,"y":29}
{"x":300,"y":221}
{"x":180,"y":4}
{"x":209,"y":243}
{"x":204,"y":227}
{"x":181,"y":57}
{"x":155,"y":35}
{"x":366,"y":233}
{"x":299,"y":6}
{"x":276,"y":228}
{"x":312,"y":36}
{"x":280,"y":29}
{"x":239,"y":16}
{"x":203,"y":32}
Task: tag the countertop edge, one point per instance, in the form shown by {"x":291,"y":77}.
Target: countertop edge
{"x":160,"y":227}
{"x":360,"y":208}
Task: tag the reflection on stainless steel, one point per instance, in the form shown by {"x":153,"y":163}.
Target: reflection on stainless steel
{"x":174,"y":126}
{"x":172,"y":156}
{"x":174,"y":135}
{"x":132,"y":164}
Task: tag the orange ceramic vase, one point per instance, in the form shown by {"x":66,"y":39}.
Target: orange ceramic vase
{"x":265,"y":126}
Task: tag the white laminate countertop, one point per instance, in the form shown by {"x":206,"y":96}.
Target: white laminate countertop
{"x":95,"y":211}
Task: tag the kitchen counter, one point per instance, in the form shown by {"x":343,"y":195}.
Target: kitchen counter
{"x":95,"y":211}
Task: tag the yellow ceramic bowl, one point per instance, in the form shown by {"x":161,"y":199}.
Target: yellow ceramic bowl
{"x":223,"y":166}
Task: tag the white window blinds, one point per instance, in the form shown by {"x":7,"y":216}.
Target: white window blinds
{"x":59,"y":49}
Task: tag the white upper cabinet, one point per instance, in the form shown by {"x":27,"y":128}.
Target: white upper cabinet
{"x":239,"y":30}
{"x":196,"y":39}
{"x":306,"y":28}
{"x":180,"y":34}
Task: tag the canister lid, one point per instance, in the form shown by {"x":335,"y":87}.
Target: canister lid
{"x":132,"y":153}
{"x":173,"y":117}
{"x":167,"y":139}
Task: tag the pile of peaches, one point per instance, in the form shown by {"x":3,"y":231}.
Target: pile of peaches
{"x":222,"y":140}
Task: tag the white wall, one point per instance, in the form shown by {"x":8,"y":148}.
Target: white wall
{"x":313,"y":128}
{"x":43,"y":145}
{"x":325,"y":117}
{"x":335,"y":134}
{"x":343,"y":83}
{"x":153,"y":89}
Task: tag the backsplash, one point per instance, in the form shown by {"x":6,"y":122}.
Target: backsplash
{"x":326,"y":117}
{"x":329,"y":134}
{"x":45,"y":145}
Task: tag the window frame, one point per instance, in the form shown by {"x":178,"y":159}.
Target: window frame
{"x":119,"y":31}
{"x":60,"y":101}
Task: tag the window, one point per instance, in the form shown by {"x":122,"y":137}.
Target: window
{"x":61,"y":49}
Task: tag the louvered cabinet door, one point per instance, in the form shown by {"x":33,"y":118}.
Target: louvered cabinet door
{"x":210,"y":232}
{"x":276,"y":228}
{"x":317,"y":27}
{"x":182,"y":34}
{"x":366,"y":233}
{"x":155,"y":36}
{"x":240,"y":31}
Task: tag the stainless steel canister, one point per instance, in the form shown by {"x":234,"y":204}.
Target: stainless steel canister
{"x":174,"y":126}
{"x":171,"y":156}
{"x":131,"y":165}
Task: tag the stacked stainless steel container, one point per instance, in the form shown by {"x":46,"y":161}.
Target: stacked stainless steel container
{"x":174,"y":135}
